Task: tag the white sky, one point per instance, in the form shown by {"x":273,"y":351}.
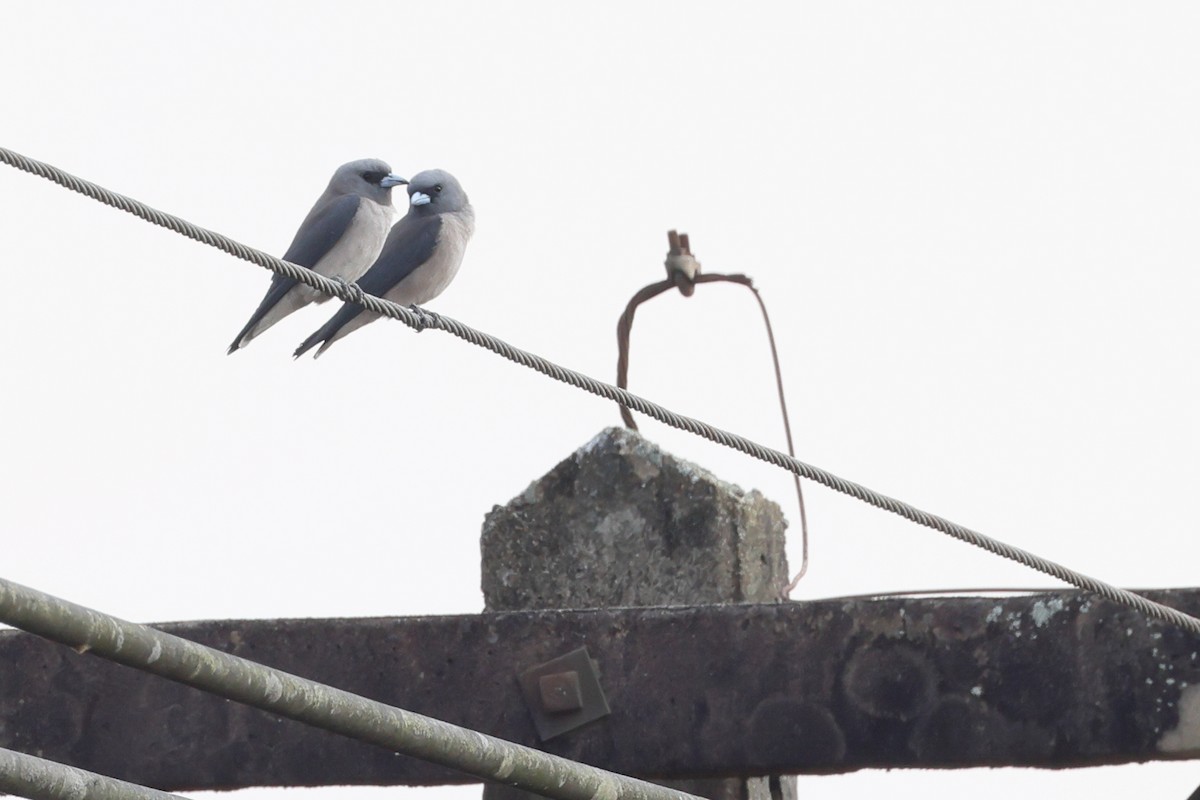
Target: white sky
{"x":975,"y":227}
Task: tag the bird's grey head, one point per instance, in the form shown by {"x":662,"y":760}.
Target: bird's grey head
{"x":368,"y":177}
{"x":436,"y":191}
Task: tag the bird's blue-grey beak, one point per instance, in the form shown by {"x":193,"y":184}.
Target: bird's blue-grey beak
{"x":392,"y":180}
{"x":419,"y":198}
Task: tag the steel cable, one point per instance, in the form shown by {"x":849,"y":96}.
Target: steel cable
{"x":420,"y":319}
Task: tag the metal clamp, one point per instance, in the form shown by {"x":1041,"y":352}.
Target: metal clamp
{"x":563,"y":694}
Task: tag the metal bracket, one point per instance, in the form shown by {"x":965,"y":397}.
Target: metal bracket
{"x":563,"y":694}
{"x":682,"y":266}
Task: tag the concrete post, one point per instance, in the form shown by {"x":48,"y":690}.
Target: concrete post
{"x":621,"y":523}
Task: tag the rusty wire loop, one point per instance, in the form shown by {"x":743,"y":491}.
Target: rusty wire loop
{"x":683,"y":273}
{"x":624,"y":326}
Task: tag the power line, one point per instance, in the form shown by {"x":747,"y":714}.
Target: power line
{"x":40,"y":779}
{"x":313,"y":703}
{"x":420,"y":319}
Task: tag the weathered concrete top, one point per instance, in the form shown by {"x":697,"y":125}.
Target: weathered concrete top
{"x":621,"y":523}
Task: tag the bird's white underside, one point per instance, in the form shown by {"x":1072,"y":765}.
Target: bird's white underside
{"x":348,"y":259}
{"x":428,"y":280}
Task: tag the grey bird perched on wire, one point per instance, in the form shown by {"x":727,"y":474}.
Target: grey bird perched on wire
{"x":340,"y":238}
{"x":419,"y":259}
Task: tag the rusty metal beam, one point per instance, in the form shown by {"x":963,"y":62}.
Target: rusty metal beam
{"x":1047,"y":681}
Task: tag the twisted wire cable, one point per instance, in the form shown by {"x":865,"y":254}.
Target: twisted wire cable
{"x":419,"y":319}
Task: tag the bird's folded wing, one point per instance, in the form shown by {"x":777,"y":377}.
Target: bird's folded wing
{"x":321,"y":229}
{"x":409,"y":245}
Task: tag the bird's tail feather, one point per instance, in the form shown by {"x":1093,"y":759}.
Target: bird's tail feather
{"x":350,"y":318}
{"x":318,"y":336}
{"x":283,"y":297}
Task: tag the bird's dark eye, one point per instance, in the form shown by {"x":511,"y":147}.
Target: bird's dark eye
{"x":437,"y":188}
{"x":373,"y":177}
